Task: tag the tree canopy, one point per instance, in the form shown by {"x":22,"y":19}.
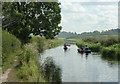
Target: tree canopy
{"x":37,"y":18}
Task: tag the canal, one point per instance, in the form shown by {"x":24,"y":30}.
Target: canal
{"x":78,"y":67}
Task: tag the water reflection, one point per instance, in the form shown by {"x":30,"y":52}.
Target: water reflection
{"x":82,"y":54}
{"x":86,"y":54}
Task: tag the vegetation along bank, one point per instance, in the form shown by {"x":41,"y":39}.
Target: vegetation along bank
{"x":29,"y":67}
{"x":108,"y":47}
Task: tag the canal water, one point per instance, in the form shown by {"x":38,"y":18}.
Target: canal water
{"x":82,"y":68}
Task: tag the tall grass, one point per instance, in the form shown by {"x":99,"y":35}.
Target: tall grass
{"x":108,"y":41}
{"x":29,"y":68}
{"x":55,"y":42}
{"x":80,"y":43}
{"x":44,"y":44}
{"x":39,"y":41}
{"x":95,"y":47}
{"x":11,"y":47}
{"x":111,"y":52}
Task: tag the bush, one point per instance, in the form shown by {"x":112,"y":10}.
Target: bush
{"x":51,"y":71}
{"x":109,"y":53}
{"x":95,"y":47}
{"x":118,"y":53}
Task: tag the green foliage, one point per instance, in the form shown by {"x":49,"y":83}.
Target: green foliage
{"x":55,"y":42}
{"x":39,"y":42}
{"x":80,"y":44}
{"x":64,"y":34}
{"x":95,"y":47}
{"x":43,"y":43}
{"x":10,"y":48}
{"x":118,"y":53}
{"x":109,"y":53}
{"x":38,"y":18}
{"x":93,"y":35}
{"x":28,"y":68}
{"x":96,"y":33}
{"x":109,"y":41}
{"x":51,"y":71}
{"x":112,"y":52}
{"x":109,"y":48}
{"x":104,"y":41}
{"x":70,"y":41}
{"x":92,"y":46}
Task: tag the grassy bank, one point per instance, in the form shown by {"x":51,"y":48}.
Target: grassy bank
{"x":44,"y":44}
{"x":29,"y":68}
{"x":11,"y":47}
{"x":55,"y":42}
{"x":108,"y":47}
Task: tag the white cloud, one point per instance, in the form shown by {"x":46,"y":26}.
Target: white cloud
{"x":89,"y":0}
{"x":72,"y":8}
{"x":81,"y":18}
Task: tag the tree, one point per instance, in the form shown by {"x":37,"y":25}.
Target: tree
{"x":96,"y":33}
{"x":38,"y":18}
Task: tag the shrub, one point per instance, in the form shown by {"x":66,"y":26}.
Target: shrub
{"x":95,"y":47}
{"x":51,"y":71}
{"x":118,"y":53}
{"x":108,"y":52}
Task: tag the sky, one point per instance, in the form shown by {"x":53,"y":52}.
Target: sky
{"x":89,"y":15}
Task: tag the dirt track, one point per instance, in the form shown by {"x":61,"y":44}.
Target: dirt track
{"x":9,"y":75}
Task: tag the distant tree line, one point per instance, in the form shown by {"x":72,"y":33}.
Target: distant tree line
{"x":94,"y":33}
{"x":37,"y":18}
{"x":66,"y":34}
{"x":107,"y":32}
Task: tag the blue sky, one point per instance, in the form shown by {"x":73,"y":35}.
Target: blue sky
{"x":89,"y":15}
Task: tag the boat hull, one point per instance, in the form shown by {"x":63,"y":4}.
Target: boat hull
{"x":84,"y":51}
{"x":65,"y":48}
